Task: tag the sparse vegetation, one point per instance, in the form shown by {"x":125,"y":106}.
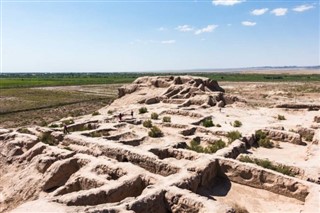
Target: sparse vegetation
{"x":95,"y":134}
{"x":262,"y":139}
{"x":96,"y":113}
{"x":154,"y":116}
{"x":68,"y":148}
{"x":155,"y":132}
{"x":143,"y":110}
{"x":24,"y":130}
{"x":53,"y":126}
{"x":68,"y":122}
{"x":147,"y":123}
{"x":233,"y":135}
{"x":218,"y":125}
{"x":265,"y":163}
{"x":281,"y":117}
{"x":239,"y":209}
{"x":110,"y":112}
{"x":47,"y":138}
{"x":166,"y":119}
{"x":237,"y":123}
{"x":207,"y":122}
{"x":195,"y":146}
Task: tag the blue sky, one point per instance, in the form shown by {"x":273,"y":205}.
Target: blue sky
{"x":113,"y":36}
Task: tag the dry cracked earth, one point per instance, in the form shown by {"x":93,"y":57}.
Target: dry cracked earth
{"x":185,"y":160}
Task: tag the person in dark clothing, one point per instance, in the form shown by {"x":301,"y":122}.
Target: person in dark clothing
{"x":120,"y":117}
{"x":65,"y":129}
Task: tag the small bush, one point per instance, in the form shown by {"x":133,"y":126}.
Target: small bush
{"x":213,"y":148}
{"x":218,"y":125}
{"x":154,"y":116}
{"x":262,"y":139}
{"x":166,"y":119}
{"x":147,"y":123}
{"x":68,"y":122}
{"x":265,"y":163}
{"x":110,"y":112}
{"x":96,"y":113}
{"x":68,"y":148}
{"x":143,"y":110}
{"x":195,"y":146}
{"x":233,"y":135}
{"x":239,"y":209}
{"x":47,"y":138}
{"x":207,"y":122}
{"x":281,"y":117}
{"x":95,"y":134}
{"x":246,"y":159}
{"x":237,"y":123}
{"x":155,"y":132}
{"x":53,"y":126}
{"x":24,"y":131}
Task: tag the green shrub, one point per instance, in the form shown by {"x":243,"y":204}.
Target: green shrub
{"x":195,"y":146}
{"x":215,"y":146}
{"x":143,"y":110}
{"x":68,"y":122}
{"x":53,"y":126}
{"x":166,"y":119}
{"x":95,"y":134}
{"x":262,"y":139}
{"x":147,"y":123}
{"x":237,"y":123}
{"x":47,"y":138}
{"x":239,"y":209}
{"x":233,"y":135}
{"x":265,"y":163}
{"x":110,"y":112}
{"x":154,"y":116}
{"x":207,"y":122}
{"x":281,"y":117}
{"x":155,"y":132}
{"x":96,"y":113}
{"x":24,"y":131}
{"x":246,"y":159}
{"x":218,"y":125}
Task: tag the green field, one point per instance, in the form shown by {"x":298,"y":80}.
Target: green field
{"x":24,"y":100}
{"x":65,"y":79}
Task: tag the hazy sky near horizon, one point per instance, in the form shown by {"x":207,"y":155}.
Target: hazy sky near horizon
{"x":110,"y":36}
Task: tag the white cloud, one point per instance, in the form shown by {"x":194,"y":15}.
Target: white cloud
{"x":248,"y":23}
{"x":207,"y":29}
{"x":279,"y":11}
{"x":303,"y":8}
{"x":227,"y":2}
{"x":168,"y":42}
{"x":162,"y":29}
{"x":259,"y":12}
{"x":185,"y":28}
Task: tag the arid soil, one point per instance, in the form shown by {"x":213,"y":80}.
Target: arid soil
{"x":180,"y":162}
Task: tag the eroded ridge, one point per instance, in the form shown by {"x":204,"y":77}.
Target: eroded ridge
{"x":179,"y":145}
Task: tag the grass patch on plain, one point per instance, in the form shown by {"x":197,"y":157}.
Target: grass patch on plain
{"x":265,"y":163}
{"x":208,"y":123}
{"x":166,"y":119}
{"x":147,"y":123}
{"x":155,"y":132}
{"x":143,"y":110}
{"x":237,"y":123}
{"x":233,"y":135}
{"x":154,"y":116}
